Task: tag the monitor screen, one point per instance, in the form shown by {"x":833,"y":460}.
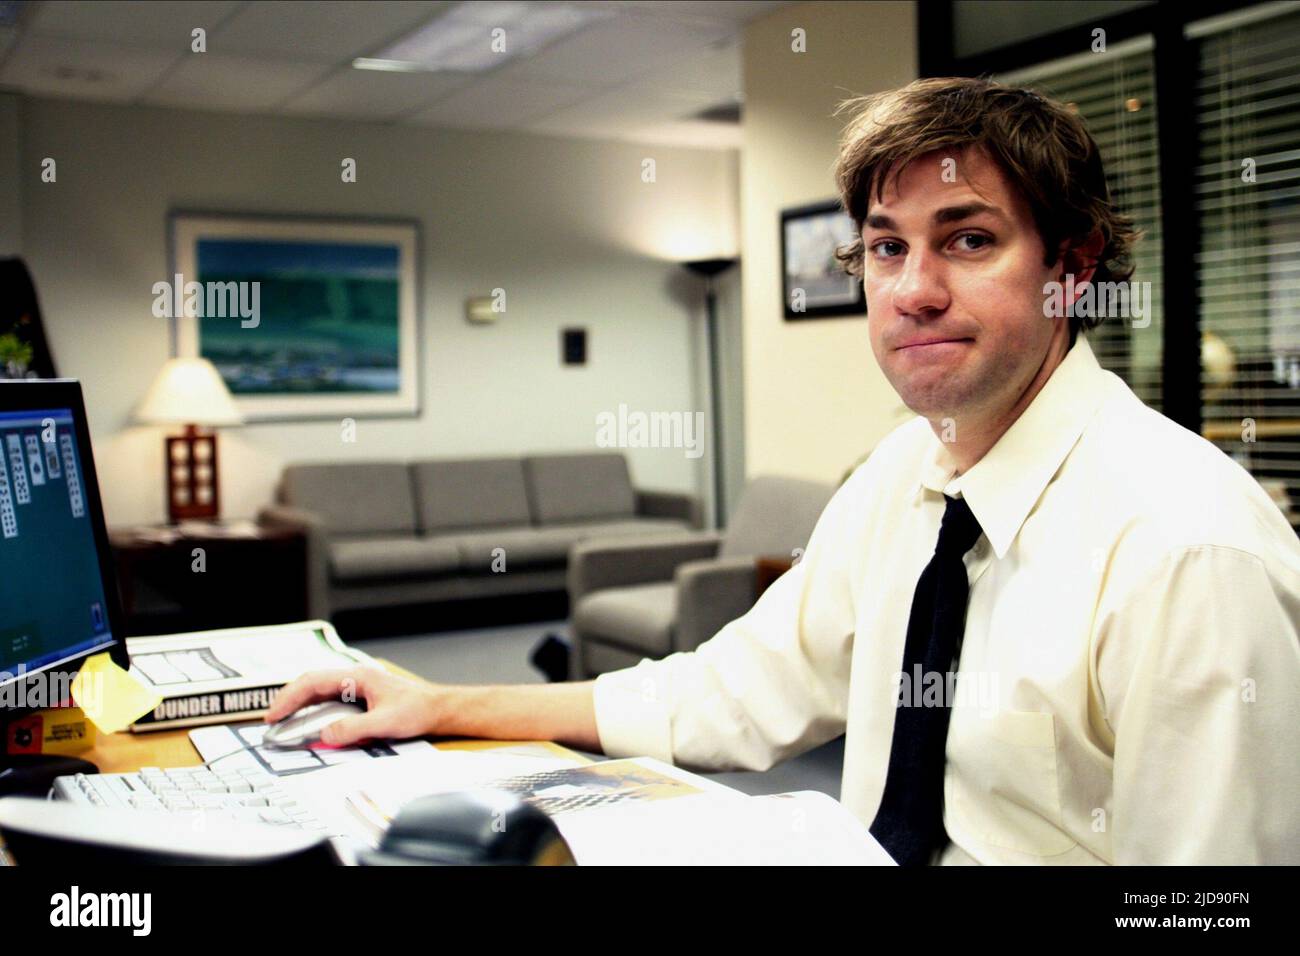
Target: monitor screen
{"x":52,"y":602}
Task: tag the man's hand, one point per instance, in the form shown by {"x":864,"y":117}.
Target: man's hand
{"x":399,"y":707}
{"x":396,"y":706}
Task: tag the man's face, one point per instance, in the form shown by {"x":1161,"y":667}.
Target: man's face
{"x":954,"y":280}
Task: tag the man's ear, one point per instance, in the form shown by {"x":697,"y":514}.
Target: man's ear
{"x":1081,"y":259}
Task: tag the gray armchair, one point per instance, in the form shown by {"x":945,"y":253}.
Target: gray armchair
{"x":652,"y":597}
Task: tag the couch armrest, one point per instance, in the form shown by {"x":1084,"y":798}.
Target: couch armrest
{"x":670,"y":504}
{"x":710,"y":595}
{"x":620,"y":562}
{"x":284,"y":516}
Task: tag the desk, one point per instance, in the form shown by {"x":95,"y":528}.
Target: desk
{"x":126,"y":752}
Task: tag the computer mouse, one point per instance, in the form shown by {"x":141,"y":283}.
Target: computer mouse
{"x":471,"y":827}
{"x":303,"y":729}
{"x":33,"y":775}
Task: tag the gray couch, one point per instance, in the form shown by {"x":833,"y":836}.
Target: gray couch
{"x":389,"y":532}
{"x":633,"y":599}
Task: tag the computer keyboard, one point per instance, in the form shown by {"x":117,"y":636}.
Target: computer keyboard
{"x":247,"y":795}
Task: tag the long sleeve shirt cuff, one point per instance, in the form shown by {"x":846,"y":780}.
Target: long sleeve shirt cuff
{"x":632,"y":717}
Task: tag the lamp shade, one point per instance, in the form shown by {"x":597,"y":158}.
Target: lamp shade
{"x":188,"y":391}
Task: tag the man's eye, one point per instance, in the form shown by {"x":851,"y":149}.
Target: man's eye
{"x":886,"y":249}
{"x":980,"y":241}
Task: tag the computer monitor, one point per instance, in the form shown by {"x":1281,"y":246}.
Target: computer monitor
{"x":58,"y":591}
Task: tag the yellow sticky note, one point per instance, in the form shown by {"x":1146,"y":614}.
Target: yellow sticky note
{"x":110,"y":696}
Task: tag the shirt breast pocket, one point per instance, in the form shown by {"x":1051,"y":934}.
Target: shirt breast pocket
{"x":1004,"y":787}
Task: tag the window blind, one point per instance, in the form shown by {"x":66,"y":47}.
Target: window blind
{"x":1248,"y":267}
{"x":1114,"y":93}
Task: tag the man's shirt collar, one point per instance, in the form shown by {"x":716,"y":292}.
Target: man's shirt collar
{"x":1003,"y":486}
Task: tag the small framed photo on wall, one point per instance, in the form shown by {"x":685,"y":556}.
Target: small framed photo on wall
{"x":814,"y":284}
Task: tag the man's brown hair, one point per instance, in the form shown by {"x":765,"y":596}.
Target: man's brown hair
{"x":1043,"y":147}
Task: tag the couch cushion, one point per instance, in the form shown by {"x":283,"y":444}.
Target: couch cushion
{"x":639,"y":617}
{"x":774,"y":516}
{"x":525,"y":547}
{"x":530,"y":547}
{"x":470,"y":493}
{"x":364,"y":559}
{"x":354,"y":497}
{"x":565,"y":488}
{"x":585,"y":530}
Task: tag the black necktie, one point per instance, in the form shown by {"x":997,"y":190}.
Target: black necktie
{"x":909,"y":823}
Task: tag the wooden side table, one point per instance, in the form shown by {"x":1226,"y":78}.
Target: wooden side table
{"x":202,"y":575}
{"x":767,"y":570}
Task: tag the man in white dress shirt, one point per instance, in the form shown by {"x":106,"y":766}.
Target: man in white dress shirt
{"x":1127,"y":687}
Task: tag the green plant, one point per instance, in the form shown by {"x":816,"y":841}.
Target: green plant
{"x":13,"y":349}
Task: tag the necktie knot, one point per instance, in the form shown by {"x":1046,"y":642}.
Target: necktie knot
{"x":959,"y":530}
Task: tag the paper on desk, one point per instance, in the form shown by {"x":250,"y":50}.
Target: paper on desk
{"x":239,"y":746}
{"x":805,"y":828}
{"x":111,"y":697}
{"x":557,"y":790}
{"x":673,"y":818}
{"x":335,"y":793}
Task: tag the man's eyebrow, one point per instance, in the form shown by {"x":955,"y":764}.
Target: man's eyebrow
{"x":948,"y":214}
{"x":965,"y":211}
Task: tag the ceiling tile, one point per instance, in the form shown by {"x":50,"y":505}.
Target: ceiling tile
{"x":618,"y":50}
{"x":500,"y":102}
{"x":713,"y":73}
{"x":374,"y":94}
{"x":624,"y":109}
{"x":83,"y":69}
{"x":220,"y":82}
{"x":324,"y":32}
{"x":695,"y":134}
{"x":132,"y":22}
{"x":727,"y":11}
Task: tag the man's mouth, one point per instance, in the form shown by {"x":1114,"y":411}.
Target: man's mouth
{"x":930,"y":340}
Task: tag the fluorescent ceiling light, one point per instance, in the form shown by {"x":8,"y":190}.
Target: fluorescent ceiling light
{"x":464,"y":39}
{"x":391,"y":66}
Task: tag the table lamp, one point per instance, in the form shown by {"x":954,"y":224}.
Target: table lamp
{"x":190,"y":392}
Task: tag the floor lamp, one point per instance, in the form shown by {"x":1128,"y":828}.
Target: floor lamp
{"x":710,"y":269}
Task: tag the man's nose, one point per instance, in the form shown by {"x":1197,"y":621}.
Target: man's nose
{"x":920,"y":288}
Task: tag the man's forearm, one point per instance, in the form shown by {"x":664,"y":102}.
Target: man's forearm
{"x":564,"y":712}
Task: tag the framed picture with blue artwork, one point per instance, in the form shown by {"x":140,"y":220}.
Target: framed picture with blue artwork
{"x":304,"y":318}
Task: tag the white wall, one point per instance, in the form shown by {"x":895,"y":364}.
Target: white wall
{"x":815,"y":400}
{"x":567,"y":227}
